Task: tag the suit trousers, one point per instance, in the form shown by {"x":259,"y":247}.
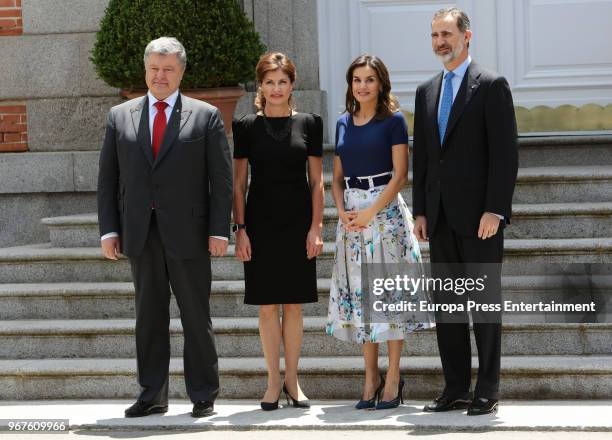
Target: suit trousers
{"x":446,"y":246}
{"x":154,"y":273}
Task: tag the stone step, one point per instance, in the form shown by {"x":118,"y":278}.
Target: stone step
{"x":546,"y":151}
{"x":524,"y":377}
{"x":239,"y":337}
{"x":541,"y":151}
{"x":551,"y":220}
{"x":42,"y":263}
{"x":574,"y":184}
{"x":115,"y":300}
{"x":560,"y":220}
{"x":103,"y":300}
{"x":563,"y":184}
{"x":554,"y":220}
{"x":586,"y":189}
{"x":73,"y":230}
{"x":538,"y":151}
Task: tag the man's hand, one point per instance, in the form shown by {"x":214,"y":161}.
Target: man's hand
{"x":111,"y":248}
{"x":420,"y":228}
{"x":217,"y":247}
{"x":489,"y":223}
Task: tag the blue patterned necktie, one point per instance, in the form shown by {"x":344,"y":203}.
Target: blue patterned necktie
{"x":445,"y":105}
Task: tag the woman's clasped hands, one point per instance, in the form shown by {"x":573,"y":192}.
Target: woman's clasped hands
{"x":357,"y":221}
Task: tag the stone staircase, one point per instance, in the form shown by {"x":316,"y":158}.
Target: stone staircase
{"x":67,"y":315}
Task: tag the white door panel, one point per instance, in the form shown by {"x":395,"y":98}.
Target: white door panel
{"x":553,"y":52}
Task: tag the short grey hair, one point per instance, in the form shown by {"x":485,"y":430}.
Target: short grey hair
{"x":166,"y":46}
{"x":463,"y":21}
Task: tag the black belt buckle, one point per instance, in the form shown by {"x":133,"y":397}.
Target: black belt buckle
{"x":355,"y":182}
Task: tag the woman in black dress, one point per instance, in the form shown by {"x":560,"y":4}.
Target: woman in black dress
{"x":278,"y":232}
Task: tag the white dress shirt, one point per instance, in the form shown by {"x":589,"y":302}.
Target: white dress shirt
{"x":171,"y":101}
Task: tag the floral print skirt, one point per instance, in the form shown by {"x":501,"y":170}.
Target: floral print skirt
{"x":388,"y":239}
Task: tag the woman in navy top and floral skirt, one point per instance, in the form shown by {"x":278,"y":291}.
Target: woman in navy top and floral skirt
{"x":370,"y":169}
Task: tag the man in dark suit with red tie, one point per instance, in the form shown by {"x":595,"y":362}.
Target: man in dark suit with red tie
{"x":465,"y":166}
{"x":164,"y":200}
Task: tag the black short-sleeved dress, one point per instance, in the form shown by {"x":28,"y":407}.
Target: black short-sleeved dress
{"x":279,"y":206}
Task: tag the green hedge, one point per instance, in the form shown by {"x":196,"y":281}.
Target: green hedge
{"x":221,"y":43}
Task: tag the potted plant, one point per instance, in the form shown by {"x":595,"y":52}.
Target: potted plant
{"x":221,"y":43}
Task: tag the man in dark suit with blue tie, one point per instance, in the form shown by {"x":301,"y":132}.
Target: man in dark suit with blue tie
{"x":465,"y":166}
{"x":164,"y":200}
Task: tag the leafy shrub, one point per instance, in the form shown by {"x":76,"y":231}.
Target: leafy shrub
{"x":221,"y":43}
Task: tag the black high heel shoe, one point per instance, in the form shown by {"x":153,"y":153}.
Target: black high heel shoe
{"x":270,"y":406}
{"x":371,"y":403}
{"x":389,"y":404}
{"x":295,"y":403}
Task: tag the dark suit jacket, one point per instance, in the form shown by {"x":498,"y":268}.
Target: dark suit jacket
{"x":474,"y":170}
{"x":189,"y":184}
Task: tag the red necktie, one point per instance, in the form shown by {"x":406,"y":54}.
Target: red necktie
{"x":159,"y":126}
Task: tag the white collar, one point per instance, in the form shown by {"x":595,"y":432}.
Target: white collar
{"x":170,"y":100}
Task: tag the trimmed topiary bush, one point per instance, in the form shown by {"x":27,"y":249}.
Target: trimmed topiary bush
{"x":221,"y":43}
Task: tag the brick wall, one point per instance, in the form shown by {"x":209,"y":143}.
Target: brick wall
{"x":11,"y":22}
{"x":13,"y":123}
{"x":13,"y":127}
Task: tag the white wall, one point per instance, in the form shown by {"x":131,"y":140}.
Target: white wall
{"x":553,"y":52}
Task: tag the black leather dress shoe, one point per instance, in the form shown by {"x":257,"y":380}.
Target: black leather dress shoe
{"x":141,"y":409}
{"x":202,"y":409}
{"x":480,"y":406}
{"x":446,"y":403}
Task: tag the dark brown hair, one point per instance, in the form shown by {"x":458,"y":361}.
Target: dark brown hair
{"x":270,"y":62}
{"x":387,"y":103}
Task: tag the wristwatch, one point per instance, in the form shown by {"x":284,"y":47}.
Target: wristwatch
{"x":238,"y":226}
